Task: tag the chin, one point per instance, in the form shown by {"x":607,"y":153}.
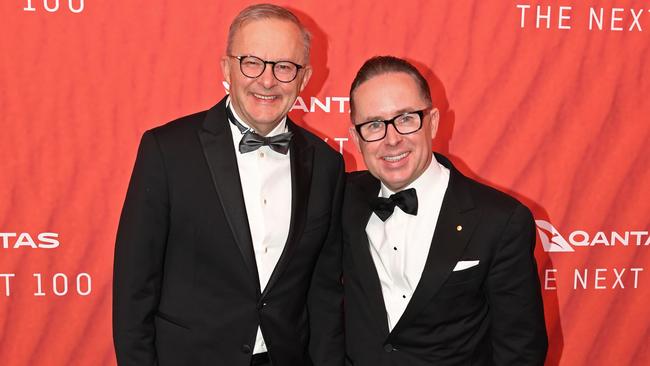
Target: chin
{"x":265,"y":118}
{"x":392,"y":182}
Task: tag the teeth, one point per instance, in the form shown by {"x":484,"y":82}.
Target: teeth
{"x":265,"y":97}
{"x":396,"y":157}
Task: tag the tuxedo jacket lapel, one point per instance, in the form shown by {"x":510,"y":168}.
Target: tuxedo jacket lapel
{"x":216,"y":139}
{"x":456,"y":222}
{"x":359,"y":215}
{"x":301,"y":157}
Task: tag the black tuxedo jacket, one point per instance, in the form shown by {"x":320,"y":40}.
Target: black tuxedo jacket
{"x":186,"y":288}
{"x":490,"y":314}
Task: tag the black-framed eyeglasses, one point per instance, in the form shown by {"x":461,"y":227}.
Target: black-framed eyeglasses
{"x":404,"y":124}
{"x":253,"y":67}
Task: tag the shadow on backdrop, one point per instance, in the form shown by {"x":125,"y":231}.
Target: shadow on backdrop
{"x":321,"y":72}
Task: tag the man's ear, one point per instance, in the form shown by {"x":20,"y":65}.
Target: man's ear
{"x":435,"y":118}
{"x":355,"y":138}
{"x":305,"y":77}
{"x":225,"y":68}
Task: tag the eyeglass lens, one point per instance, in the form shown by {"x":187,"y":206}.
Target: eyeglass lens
{"x":253,"y":67}
{"x":404,"y":124}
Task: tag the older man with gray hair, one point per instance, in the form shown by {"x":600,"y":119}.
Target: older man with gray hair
{"x":228,"y":250}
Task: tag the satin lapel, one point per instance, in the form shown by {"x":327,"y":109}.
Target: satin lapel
{"x":454,"y":228}
{"x":219,"y":152}
{"x":357,"y":212}
{"x":301,"y":157}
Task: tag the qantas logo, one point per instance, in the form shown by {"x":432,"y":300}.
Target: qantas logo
{"x":22,"y":240}
{"x":553,"y":241}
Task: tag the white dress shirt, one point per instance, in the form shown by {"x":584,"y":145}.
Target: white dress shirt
{"x":400,"y":245}
{"x":266,"y":183}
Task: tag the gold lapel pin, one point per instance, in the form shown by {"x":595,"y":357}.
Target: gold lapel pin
{"x":459,"y":228}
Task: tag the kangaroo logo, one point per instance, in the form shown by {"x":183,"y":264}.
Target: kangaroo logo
{"x":552,"y":240}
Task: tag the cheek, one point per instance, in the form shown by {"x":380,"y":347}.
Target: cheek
{"x":424,"y":152}
{"x":241,"y":82}
{"x":368,"y":156}
{"x":367,"y":150}
{"x":290,"y":92}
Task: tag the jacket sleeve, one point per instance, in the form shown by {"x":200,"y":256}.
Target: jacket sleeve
{"x":325,"y":299}
{"x":517,"y":327}
{"x":139,"y":254}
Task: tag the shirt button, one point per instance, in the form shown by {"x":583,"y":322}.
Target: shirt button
{"x":266,"y":249}
{"x":403,"y":296}
{"x":261,"y":154}
{"x":389,"y":348}
{"x":394,"y":248}
{"x":264,"y":201}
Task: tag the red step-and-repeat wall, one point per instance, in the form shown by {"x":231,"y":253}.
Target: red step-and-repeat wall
{"x":546,"y":100}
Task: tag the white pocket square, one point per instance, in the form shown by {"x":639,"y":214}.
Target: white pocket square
{"x":461,"y":265}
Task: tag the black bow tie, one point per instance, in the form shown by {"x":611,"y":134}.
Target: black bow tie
{"x":252,"y":141}
{"x":406,"y":200}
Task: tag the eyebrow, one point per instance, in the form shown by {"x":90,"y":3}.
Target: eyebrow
{"x":263,"y":59}
{"x":396,"y":113}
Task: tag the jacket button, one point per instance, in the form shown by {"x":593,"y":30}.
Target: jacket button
{"x":246,"y":349}
{"x":389,"y":348}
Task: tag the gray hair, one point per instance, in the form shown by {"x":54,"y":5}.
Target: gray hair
{"x":267,"y":11}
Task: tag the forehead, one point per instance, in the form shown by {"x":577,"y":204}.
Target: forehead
{"x":385,"y":95}
{"x":270,"y":39}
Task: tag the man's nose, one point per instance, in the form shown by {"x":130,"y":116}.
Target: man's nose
{"x":267,"y":79}
{"x":392,"y":136}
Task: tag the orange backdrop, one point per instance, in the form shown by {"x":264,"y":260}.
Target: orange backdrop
{"x":549,"y":101}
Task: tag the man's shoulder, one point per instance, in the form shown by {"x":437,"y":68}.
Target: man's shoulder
{"x":490,"y":198}
{"x":360,"y":177}
{"x":483,"y":195}
{"x":184,"y":125}
{"x":321,"y":148}
{"x":492,"y":193}
{"x":358,"y":182}
{"x":191,"y":123}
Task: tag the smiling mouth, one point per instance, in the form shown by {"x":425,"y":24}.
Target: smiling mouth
{"x":265,"y":97}
{"x":394,"y":158}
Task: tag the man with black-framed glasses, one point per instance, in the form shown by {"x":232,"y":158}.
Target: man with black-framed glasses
{"x":438,"y":268}
{"x":228,"y":250}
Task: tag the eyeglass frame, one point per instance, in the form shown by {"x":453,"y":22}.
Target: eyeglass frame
{"x":272,"y":63}
{"x":391,"y":121}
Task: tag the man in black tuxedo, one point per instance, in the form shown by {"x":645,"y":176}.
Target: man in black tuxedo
{"x":228,"y":250}
{"x":438,"y":268}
